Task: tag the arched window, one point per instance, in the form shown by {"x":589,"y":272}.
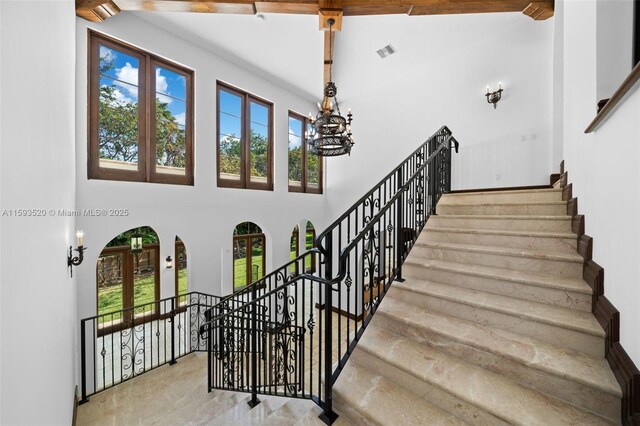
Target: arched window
{"x":310,"y":242}
{"x":127,"y":276}
{"x":182,"y":286}
{"x":249,"y":254}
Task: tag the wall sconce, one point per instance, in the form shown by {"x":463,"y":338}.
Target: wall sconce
{"x":77,"y":260}
{"x":494,"y":97}
{"x":136,"y":243}
{"x":169,"y":262}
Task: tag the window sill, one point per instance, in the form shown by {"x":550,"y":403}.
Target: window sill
{"x":627,"y":85}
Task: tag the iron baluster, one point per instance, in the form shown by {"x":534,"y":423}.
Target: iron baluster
{"x":254,"y":346}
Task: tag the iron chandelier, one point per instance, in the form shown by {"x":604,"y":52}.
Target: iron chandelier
{"x":330,"y":134}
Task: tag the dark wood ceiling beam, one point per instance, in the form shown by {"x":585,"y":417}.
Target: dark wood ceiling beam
{"x":539,"y":10}
{"x":98,"y":10}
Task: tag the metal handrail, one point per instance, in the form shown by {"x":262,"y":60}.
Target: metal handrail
{"x":387,"y":218}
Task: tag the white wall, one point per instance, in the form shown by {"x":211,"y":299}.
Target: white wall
{"x":558,"y":85}
{"x":439,"y":76}
{"x":37,"y":171}
{"x":603,"y":166}
{"x":204,"y":215}
{"x":614,"y":47}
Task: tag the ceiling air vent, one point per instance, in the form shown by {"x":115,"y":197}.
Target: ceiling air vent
{"x":386,"y":51}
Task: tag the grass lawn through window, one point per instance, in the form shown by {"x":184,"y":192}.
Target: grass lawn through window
{"x":110,"y":298}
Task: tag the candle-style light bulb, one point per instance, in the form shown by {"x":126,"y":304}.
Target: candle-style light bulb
{"x":80,"y":238}
{"x":349,"y":111}
{"x":488,"y":90}
{"x":499,"y":85}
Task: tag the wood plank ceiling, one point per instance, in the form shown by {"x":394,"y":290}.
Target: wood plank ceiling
{"x":99,"y":10}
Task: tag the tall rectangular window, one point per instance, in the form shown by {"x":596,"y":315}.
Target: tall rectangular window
{"x":305,"y":169}
{"x":140,"y":115}
{"x":245,"y":149}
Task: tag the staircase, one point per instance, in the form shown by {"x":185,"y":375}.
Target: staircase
{"x":492,"y":324}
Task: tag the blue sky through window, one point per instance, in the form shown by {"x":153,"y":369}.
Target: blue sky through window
{"x":121,"y":70}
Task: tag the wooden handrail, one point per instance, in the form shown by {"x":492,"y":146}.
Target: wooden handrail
{"x":626,"y":86}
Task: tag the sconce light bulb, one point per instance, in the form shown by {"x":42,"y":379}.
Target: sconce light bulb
{"x":80,"y":238}
{"x":499,"y":85}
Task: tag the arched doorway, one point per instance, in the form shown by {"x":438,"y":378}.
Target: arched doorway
{"x":128,"y":278}
{"x":182,"y":280}
{"x":249,"y":254}
{"x":309,"y":243}
{"x":294,"y":246}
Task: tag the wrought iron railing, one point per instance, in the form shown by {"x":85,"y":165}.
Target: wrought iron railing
{"x":291,"y":332}
{"x":123,"y":344}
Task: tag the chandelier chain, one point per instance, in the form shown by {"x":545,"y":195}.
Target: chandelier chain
{"x":331,"y":50}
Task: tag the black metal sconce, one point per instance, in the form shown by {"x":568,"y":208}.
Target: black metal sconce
{"x":76,"y":260}
{"x":494,"y":97}
{"x":169,"y":262}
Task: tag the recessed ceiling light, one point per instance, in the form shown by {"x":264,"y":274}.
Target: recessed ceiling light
{"x":260,"y":17}
{"x":386,"y":51}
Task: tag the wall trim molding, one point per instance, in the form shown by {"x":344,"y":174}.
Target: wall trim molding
{"x":623,"y":367}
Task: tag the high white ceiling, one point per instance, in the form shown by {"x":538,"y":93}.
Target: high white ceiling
{"x":288,"y":49}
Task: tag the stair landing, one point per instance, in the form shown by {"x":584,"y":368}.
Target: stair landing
{"x":177,"y":395}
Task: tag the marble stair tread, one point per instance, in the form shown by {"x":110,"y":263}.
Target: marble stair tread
{"x":488,"y":391}
{"x":505,"y":191}
{"x":311,"y":419}
{"x":524,"y":277}
{"x":261,"y":412}
{"x":506,"y":203}
{"x":506,"y":251}
{"x":291,"y":412}
{"x":501,"y":232}
{"x":504,"y":217}
{"x":377,"y":400}
{"x":570,"y":319}
{"x":579,"y":367}
{"x":542,"y":195}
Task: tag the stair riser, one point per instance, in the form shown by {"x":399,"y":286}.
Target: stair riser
{"x":524,"y":209}
{"x":561,"y":298}
{"x":547,"y":266}
{"x":512,"y":241}
{"x":553,"y":334}
{"x":535,"y":225}
{"x":343,"y":408}
{"x":432,"y":393}
{"x":503,"y":197}
{"x":523,"y":373}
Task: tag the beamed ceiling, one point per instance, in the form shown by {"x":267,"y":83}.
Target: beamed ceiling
{"x":100,"y":10}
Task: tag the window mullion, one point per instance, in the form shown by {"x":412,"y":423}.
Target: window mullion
{"x":304,"y":155}
{"x":150,"y":123}
{"x":246,"y":148}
